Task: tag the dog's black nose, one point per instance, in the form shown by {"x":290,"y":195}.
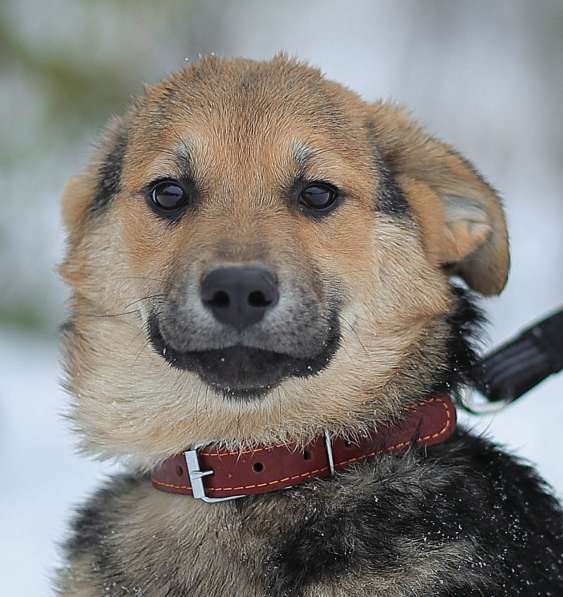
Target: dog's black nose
{"x":239,"y":296}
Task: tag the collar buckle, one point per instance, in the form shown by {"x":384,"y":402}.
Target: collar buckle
{"x":196,"y":479}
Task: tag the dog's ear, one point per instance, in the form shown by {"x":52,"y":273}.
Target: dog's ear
{"x":461,"y":216}
{"x":92,"y":190}
{"x":77,"y":197}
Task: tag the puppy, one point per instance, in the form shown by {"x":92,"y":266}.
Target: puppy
{"x":261,"y":269}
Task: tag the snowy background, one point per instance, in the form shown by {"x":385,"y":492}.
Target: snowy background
{"x":485,"y":76}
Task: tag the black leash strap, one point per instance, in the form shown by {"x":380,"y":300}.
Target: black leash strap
{"x":519,"y":365}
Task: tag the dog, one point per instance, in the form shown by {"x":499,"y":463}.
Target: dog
{"x":264,"y":265}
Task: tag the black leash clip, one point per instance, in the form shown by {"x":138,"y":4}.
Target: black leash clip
{"x":516,"y":367}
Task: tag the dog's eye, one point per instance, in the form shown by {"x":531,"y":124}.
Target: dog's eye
{"x":320,"y":197}
{"x":168,"y":196}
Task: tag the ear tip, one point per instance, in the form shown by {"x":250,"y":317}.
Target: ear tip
{"x":502,"y":265}
{"x":487,"y":279}
{"x":494,"y":288}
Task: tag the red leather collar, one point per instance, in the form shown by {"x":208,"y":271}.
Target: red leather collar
{"x":216,"y":475}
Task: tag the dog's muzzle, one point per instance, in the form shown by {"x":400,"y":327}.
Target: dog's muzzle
{"x":243,"y":333}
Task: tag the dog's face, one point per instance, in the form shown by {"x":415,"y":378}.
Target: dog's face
{"x":256,"y":254}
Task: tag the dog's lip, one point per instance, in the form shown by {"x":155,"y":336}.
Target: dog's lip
{"x":167,"y":350}
{"x":249,"y":371}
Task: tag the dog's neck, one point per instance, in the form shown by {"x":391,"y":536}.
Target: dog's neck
{"x":212,"y":474}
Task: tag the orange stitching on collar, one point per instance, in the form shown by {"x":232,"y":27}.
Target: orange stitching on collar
{"x":325,"y":468}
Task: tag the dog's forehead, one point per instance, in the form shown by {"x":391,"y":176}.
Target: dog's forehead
{"x":228,"y":114}
{"x":240,"y":95}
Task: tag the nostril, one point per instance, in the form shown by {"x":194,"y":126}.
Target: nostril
{"x":258,"y":299}
{"x":219,"y":300}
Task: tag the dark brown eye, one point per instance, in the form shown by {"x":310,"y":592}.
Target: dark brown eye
{"x":318,"y":196}
{"x":168,"y":196}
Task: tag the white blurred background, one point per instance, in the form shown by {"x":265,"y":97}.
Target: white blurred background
{"x":484,"y":76}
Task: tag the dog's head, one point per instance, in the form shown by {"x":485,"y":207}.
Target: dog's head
{"x":256,"y":254}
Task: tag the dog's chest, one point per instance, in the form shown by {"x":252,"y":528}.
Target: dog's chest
{"x":298,"y":543}
{"x":459,"y":522}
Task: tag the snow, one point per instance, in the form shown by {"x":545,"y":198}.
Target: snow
{"x":44,"y":477}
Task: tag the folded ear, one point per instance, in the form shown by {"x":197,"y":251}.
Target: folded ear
{"x":461,"y":216}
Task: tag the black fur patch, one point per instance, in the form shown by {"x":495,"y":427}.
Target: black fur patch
{"x":466,"y":322}
{"x":465,"y":491}
{"x":91,"y":524}
{"x":97,"y":530}
{"x":109,"y":172}
{"x":390,"y":198}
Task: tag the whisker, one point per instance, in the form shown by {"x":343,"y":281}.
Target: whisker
{"x":145,"y":298}
{"x":108,"y":315}
{"x":352,"y":329}
{"x":138,"y":300}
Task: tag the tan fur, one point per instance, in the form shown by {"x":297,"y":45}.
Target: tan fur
{"x":339,"y":399}
{"x":243,"y":123}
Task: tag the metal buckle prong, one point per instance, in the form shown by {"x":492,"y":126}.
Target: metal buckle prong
{"x":328,"y":444}
{"x":196,"y":475}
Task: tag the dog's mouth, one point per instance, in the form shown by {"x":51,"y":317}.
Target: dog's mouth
{"x":240,"y":371}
